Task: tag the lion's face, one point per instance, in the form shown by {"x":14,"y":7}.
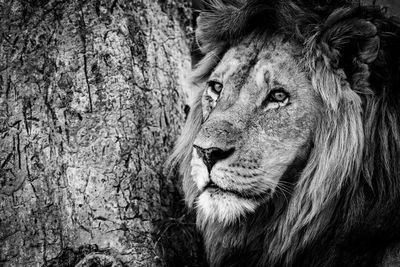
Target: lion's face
{"x":259,"y":111}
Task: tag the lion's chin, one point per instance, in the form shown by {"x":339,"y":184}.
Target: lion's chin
{"x":223,"y":207}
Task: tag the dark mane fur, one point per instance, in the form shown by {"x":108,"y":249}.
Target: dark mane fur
{"x":351,"y":215}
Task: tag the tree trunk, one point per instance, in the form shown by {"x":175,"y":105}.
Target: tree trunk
{"x":91,"y":102}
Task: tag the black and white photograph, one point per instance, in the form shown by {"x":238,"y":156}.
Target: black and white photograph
{"x":200,"y":133}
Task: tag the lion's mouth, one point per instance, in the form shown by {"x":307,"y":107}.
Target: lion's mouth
{"x":212,"y":187}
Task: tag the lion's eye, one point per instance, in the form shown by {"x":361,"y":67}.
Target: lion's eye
{"x":277,"y":98}
{"x":278,"y":95}
{"x":216,"y":87}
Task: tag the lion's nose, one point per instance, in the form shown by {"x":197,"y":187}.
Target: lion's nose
{"x":212,"y":155}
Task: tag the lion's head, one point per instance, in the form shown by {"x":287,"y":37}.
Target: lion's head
{"x":259,"y":111}
{"x":292,"y":146}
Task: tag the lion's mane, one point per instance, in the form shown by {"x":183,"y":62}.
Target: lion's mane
{"x":343,"y":210}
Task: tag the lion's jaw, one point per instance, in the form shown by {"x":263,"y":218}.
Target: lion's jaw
{"x":267,"y":137}
{"x":214,"y":204}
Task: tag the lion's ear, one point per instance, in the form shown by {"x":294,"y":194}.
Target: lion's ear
{"x":349,"y":38}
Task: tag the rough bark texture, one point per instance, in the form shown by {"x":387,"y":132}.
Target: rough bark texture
{"x":91,"y":102}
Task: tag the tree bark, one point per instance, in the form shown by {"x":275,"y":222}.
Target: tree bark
{"x":91,"y":103}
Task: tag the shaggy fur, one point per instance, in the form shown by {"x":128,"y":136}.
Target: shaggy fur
{"x":343,"y":209}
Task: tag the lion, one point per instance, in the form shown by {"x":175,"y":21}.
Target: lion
{"x":290,"y":155}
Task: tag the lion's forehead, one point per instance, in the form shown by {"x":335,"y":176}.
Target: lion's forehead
{"x":236,"y":61}
{"x":273,"y":61}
